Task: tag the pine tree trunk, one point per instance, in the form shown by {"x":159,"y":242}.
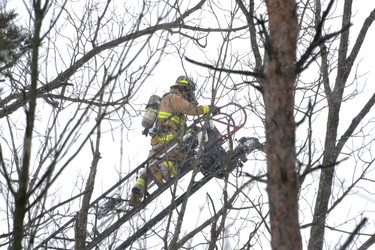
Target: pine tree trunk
{"x":278,"y":87}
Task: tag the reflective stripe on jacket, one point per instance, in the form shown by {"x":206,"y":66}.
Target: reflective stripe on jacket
{"x":179,"y":120}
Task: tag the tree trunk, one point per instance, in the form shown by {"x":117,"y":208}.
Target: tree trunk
{"x":21,"y":196}
{"x":333,"y":145}
{"x":278,"y":87}
{"x":81,"y":221}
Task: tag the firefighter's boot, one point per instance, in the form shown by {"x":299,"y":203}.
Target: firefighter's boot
{"x":135,"y":197}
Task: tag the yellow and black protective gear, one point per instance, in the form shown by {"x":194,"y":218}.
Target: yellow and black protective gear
{"x":141,"y":182}
{"x":184,"y":82}
{"x":170,"y":167}
{"x":177,"y":119}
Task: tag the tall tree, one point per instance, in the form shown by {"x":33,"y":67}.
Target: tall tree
{"x":278,"y":92}
{"x":334,"y":144}
{"x":21,"y":193}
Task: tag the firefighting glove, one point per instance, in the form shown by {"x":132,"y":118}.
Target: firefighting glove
{"x":214,"y":110}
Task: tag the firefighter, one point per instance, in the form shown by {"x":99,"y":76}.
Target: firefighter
{"x":175,"y":105}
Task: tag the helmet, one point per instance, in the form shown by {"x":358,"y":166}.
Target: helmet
{"x":184,"y":82}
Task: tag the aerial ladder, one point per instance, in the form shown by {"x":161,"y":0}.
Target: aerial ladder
{"x":207,"y":153}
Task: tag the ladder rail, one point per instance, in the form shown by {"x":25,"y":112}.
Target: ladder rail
{"x":127,"y":216}
{"x":161,"y":215}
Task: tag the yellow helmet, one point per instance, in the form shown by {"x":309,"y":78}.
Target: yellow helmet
{"x":184,"y":82}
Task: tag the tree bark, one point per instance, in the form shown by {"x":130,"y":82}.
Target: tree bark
{"x":278,"y":87}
